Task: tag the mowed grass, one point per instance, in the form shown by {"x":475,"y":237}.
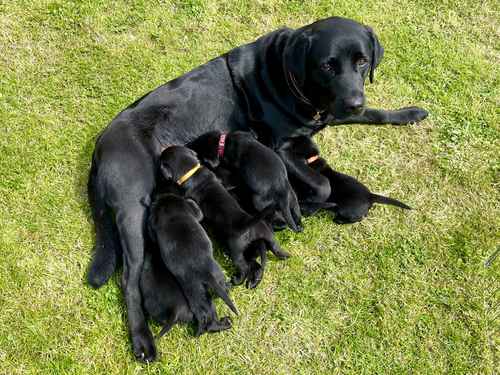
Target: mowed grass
{"x":400,"y":292}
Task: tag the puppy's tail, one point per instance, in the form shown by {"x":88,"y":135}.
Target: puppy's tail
{"x":386,"y":200}
{"x":107,"y":244}
{"x":222,"y":293}
{"x":167,"y":326}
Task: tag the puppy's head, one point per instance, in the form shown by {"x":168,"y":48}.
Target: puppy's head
{"x":302,"y":147}
{"x":330,"y":61}
{"x":206,"y":147}
{"x":176,"y":161}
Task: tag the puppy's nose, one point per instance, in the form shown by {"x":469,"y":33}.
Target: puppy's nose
{"x":353,"y":104}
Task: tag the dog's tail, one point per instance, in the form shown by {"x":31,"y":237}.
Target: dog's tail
{"x":107,"y":245}
{"x":386,"y":200}
{"x":222,"y":293}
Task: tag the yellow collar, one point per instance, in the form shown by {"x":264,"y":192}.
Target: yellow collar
{"x":188,"y":175}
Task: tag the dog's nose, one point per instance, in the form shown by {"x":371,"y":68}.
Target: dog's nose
{"x":353,"y":104}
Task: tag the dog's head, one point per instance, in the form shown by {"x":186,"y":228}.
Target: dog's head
{"x":330,"y":60}
{"x":176,"y":161}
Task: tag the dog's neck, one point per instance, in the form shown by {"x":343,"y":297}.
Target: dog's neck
{"x":194,"y":186}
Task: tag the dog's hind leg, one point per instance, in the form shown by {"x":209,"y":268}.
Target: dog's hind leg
{"x":130,"y":222}
{"x":197,"y":296}
{"x":277,"y":250}
{"x":107,"y":245}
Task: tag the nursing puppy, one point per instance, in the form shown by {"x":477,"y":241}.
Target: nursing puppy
{"x":243,"y":235}
{"x":187,"y":252}
{"x":258,"y":167}
{"x":163,"y":298}
{"x":312,"y":188}
{"x":314,"y":179}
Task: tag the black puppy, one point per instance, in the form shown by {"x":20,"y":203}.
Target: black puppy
{"x":163,"y":298}
{"x":242,"y":234}
{"x":311,"y":186}
{"x":187,"y":252}
{"x":312,"y":177}
{"x":258,"y":167}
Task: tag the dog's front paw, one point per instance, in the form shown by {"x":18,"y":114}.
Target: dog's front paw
{"x":410,"y":115}
{"x":143,"y":345}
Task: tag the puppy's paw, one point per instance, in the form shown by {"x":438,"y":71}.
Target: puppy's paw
{"x":254,"y":276}
{"x":225,"y":322}
{"x":410,"y":115}
{"x":238,"y":279}
{"x":143,"y":345}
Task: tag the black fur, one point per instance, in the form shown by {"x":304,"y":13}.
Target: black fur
{"x":238,"y":231}
{"x":187,"y":252}
{"x":247,"y":88}
{"x":257,"y":166}
{"x":317,"y":181}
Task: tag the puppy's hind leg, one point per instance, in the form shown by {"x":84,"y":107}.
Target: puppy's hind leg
{"x":169,"y":323}
{"x":197,"y":297}
{"x":277,"y":250}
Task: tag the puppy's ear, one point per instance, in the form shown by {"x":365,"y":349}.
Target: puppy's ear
{"x":195,"y":209}
{"x":295,"y":55}
{"x":166,"y":171}
{"x":212,"y":160}
{"x":377,"y":52}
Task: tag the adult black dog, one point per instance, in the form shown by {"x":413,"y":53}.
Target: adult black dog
{"x":286,"y":83}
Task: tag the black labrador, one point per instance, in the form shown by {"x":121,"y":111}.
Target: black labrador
{"x":243,"y":236}
{"x":256,"y":166}
{"x":314,"y":180}
{"x":163,"y":298}
{"x":174,"y":226}
{"x":286,"y":83}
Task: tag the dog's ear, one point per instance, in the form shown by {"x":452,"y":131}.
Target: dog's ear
{"x":295,"y":55}
{"x":377,"y":52}
{"x":166,"y":171}
{"x":211,"y":160}
{"x":195,"y":209}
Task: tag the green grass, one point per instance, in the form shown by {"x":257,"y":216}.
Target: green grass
{"x":398,"y":293}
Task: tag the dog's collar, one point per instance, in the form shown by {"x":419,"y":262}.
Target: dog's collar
{"x":222,"y":144}
{"x":312,"y":159}
{"x":188,"y":174}
{"x":294,"y":88}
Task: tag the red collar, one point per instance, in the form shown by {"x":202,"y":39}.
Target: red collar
{"x":222,"y":143}
{"x":312,"y":159}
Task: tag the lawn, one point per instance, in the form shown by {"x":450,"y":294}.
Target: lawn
{"x":400,"y":292}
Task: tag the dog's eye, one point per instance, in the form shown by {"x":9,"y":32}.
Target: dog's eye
{"x":326,"y":67}
{"x":362,"y":61}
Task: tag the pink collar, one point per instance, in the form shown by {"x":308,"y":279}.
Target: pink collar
{"x":222,"y":143}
